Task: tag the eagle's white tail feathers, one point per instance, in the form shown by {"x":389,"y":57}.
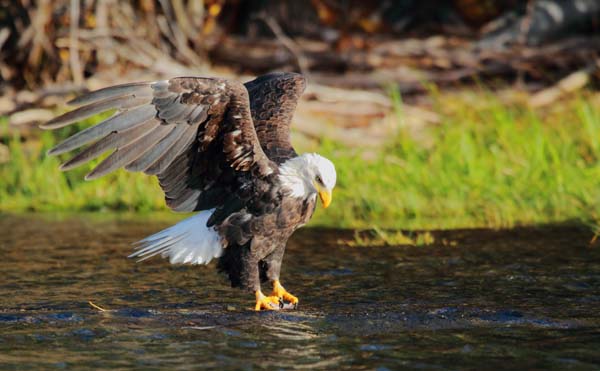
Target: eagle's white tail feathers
{"x":187,"y":242}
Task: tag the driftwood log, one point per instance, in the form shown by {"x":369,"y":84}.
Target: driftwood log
{"x":45,"y":42}
{"x":50,"y":49}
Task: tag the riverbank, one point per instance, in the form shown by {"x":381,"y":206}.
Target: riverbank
{"x":488,"y":161}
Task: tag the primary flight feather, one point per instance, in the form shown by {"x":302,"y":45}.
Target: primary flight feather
{"x":220,"y":148}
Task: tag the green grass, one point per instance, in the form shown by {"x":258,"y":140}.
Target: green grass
{"x":375,"y":237}
{"x":487,"y":164}
{"x":31,"y":181}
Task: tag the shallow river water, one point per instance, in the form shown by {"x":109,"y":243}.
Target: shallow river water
{"x":520,"y":299}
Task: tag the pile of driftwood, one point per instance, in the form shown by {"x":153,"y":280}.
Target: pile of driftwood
{"x":345,"y":43}
{"x":48,"y":41}
{"x":53,"y":48}
{"x":412,"y":64}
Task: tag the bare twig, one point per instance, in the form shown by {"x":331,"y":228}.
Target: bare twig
{"x":182,"y":18}
{"x":4,"y":34}
{"x":105,"y":50}
{"x":96,"y":306}
{"x":76,"y":70}
{"x":289,"y":44}
{"x":567,"y":85}
{"x":171,"y":28}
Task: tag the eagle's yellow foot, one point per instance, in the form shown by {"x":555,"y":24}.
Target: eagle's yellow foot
{"x":266,"y":302}
{"x":281,"y":293}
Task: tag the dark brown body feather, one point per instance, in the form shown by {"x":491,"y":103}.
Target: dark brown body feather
{"x":265,"y":247}
{"x":213,"y":144}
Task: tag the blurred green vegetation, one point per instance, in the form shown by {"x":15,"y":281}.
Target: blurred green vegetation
{"x":488,"y":163}
{"x":31,"y":180}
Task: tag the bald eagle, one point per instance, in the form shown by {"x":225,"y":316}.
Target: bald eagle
{"x":219,"y":148}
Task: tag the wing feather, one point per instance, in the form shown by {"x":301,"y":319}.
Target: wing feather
{"x":185,"y":201}
{"x":195,"y":134}
{"x":177,"y":172}
{"x":125,"y":155}
{"x":167,"y":157}
{"x":159,"y":149}
{"x":136,"y":88}
{"x":273,"y":100}
{"x":84,"y":112}
{"x":113,"y":140}
{"x":121,"y":121}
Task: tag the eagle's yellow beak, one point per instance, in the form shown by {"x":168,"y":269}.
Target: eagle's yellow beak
{"x":324,"y":195}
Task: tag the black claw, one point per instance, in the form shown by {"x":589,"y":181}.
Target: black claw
{"x":281,"y":303}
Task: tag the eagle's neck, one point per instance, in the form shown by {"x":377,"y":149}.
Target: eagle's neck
{"x":294,"y":178}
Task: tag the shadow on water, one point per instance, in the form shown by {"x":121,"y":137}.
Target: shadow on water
{"x":525,"y":297}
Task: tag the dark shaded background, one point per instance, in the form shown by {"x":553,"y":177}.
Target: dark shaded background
{"x":344,"y":43}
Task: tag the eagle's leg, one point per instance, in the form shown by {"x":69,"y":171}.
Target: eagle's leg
{"x":250,"y":275}
{"x":266,"y":302}
{"x":281,"y":293}
{"x":273,"y":269}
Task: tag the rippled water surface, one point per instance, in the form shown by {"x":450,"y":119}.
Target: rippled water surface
{"x":474,"y":300}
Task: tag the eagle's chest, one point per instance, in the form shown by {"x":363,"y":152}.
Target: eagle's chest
{"x":279,"y":225}
{"x":295,"y":212}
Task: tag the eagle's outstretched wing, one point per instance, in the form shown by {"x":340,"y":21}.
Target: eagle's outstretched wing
{"x":273,"y":100}
{"x":195,"y":134}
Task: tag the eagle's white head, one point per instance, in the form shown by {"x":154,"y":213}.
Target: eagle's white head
{"x":308,"y":175}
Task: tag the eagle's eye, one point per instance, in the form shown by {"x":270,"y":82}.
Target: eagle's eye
{"x":319,"y":180}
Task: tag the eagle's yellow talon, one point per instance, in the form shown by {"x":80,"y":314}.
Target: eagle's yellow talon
{"x":266,"y":302}
{"x":281,"y":293}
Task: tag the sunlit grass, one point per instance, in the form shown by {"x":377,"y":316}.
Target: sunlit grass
{"x":377,"y":237}
{"x":487,"y":164}
{"x":31,"y":181}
